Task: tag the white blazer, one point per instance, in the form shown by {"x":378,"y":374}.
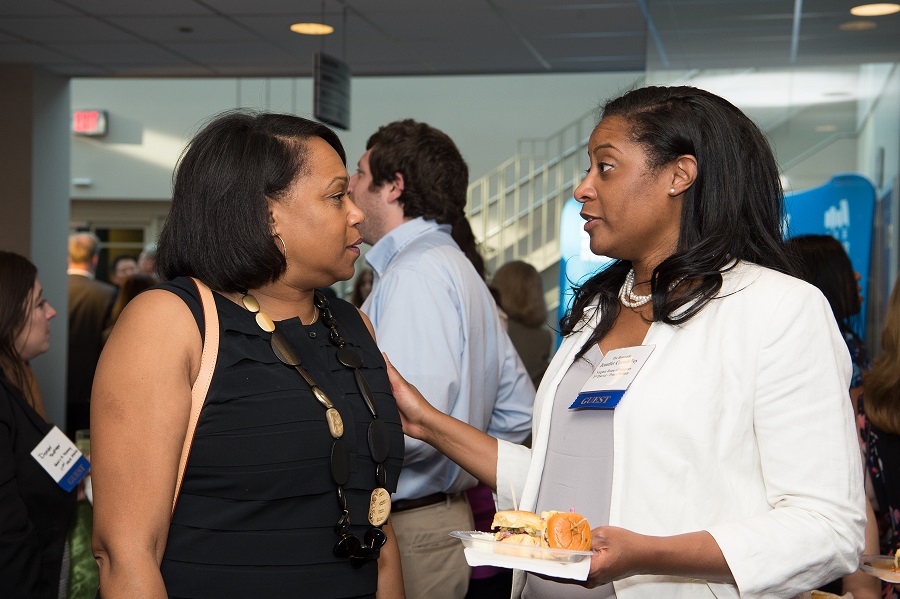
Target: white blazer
{"x":739,"y":424}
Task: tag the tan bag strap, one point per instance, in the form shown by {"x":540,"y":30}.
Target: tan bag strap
{"x":201,"y":385}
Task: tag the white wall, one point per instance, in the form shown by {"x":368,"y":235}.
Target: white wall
{"x":150,"y":120}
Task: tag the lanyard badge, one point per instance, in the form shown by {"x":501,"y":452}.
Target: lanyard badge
{"x":611,"y":378}
{"x":61,"y":459}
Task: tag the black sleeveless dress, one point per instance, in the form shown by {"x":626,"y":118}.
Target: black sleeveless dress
{"x":258,"y":506}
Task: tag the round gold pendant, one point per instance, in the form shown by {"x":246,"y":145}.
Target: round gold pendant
{"x":264,"y":322}
{"x":379,"y":506}
{"x":250,"y":303}
{"x":335,"y":423}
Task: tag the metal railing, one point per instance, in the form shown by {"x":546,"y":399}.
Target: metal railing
{"x":514,"y":210}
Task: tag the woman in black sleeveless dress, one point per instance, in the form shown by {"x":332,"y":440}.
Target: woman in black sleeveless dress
{"x":299,"y":434}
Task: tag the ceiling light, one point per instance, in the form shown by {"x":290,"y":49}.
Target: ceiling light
{"x":875,"y":10}
{"x":826,"y":128}
{"x":857,"y":26}
{"x":312,"y":28}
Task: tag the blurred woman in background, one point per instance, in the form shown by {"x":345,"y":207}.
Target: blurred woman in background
{"x":34,"y":511}
{"x":522,"y":298}
{"x":822,"y":261}
{"x":881,"y":428}
{"x":362,"y":287}
{"x":129,"y":289}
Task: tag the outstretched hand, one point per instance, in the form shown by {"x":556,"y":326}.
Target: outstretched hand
{"x":413,"y":407}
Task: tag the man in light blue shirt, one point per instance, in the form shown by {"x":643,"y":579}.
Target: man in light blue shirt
{"x":436,"y":320}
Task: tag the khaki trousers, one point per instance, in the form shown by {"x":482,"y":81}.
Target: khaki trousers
{"x":434,"y":565}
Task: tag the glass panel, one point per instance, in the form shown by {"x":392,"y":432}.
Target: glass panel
{"x":537,"y":227}
{"x":493,"y":219}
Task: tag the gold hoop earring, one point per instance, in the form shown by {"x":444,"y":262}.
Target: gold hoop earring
{"x":283,"y":247}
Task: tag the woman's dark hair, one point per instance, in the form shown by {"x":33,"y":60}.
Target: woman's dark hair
{"x":218,"y":228}
{"x":822,"y":261}
{"x":17,"y":280}
{"x":732,"y":212}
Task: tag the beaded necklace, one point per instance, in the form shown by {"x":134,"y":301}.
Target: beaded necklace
{"x":348,"y":545}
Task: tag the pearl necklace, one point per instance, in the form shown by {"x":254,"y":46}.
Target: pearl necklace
{"x":627,"y":296}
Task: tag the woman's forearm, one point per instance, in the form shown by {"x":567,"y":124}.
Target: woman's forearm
{"x":622,"y":553}
{"x":474,"y":450}
{"x":390,"y":573}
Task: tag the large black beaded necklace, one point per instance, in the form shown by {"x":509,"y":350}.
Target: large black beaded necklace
{"x":348,"y":545}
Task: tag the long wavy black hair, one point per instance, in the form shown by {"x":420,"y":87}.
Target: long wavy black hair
{"x":732,"y":212}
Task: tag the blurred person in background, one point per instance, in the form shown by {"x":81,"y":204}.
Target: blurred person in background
{"x":90,"y":302}
{"x":35,"y":512}
{"x":147,"y":261}
{"x":880,"y":414}
{"x":129,"y":289}
{"x":522,"y":298}
{"x":122,"y":267}
{"x":822,"y":261}
{"x":362,"y":287}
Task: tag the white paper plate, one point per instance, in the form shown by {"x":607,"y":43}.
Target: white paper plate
{"x":880,"y":566}
{"x":484,"y":542}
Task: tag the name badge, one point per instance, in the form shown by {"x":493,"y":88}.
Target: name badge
{"x":61,"y":459}
{"x":611,"y":378}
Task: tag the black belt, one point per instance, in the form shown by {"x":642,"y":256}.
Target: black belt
{"x":401,"y":505}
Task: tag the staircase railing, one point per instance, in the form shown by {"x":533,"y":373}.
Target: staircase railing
{"x":514,"y":210}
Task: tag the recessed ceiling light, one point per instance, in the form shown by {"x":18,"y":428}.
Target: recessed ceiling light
{"x":312,"y":28}
{"x":857,"y":26}
{"x":875,"y":10}
{"x":826,"y":128}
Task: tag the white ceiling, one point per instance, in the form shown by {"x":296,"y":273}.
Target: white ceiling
{"x":239,"y":38}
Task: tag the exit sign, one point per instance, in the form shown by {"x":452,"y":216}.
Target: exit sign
{"x":91,"y":123}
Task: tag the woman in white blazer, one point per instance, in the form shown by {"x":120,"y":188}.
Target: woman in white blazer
{"x":730,"y":466}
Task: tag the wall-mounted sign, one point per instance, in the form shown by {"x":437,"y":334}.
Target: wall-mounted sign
{"x":90,"y":123}
{"x":331,"y":91}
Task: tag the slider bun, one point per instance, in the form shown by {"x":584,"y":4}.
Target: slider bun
{"x":568,"y":531}
{"x":527,"y":521}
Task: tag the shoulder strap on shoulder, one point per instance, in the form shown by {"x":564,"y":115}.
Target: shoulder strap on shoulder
{"x":201,"y":385}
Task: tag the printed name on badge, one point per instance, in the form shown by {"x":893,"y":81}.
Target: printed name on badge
{"x":61,"y":459}
{"x":611,"y":378}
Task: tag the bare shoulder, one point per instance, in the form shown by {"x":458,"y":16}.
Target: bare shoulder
{"x":156,"y":319}
{"x":154,"y":343}
{"x":368,"y":323}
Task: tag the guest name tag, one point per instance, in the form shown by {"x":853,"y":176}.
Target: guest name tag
{"x":61,"y":459}
{"x":612,"y":377}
